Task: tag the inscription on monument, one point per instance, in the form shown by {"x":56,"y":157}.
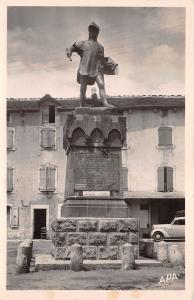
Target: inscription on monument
{"x":95,"y":172}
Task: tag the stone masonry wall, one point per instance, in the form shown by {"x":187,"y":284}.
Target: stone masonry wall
{"x":101,"y":238}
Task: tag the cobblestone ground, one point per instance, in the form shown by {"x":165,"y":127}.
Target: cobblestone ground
{"x":145,"y":278}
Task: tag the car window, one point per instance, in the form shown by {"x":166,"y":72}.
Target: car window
{"x":179,"y":222}
{"x":175,"y":222}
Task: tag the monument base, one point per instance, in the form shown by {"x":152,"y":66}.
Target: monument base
{"x":101,"y":238}
{"x":92,"y":206}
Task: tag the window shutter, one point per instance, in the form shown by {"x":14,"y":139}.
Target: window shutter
{"x":51,"y":138}
{"x":44,"y":137}
{"x":10,"y":137}
{"x":169,"y":171}
{"x":9,"y":179}
{"x":50,"y":179}
{"x":161,"y":179}
{"x":15,"y":217}
{"x":42,"y":179}
{"x":45,"y":114}
{"x":165,"y":136}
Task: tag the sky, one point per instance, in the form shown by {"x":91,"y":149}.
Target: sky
{"x":147,"y":43}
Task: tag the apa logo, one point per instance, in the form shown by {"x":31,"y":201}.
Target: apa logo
{"x":167,"y":278}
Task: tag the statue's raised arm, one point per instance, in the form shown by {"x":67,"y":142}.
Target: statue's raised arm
{"x":69,"y":52}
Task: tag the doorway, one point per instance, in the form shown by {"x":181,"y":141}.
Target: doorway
{"x":144,"y":220}
{"x":39,"y":221}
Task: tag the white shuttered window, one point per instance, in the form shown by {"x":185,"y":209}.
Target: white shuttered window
{"x":11,"y":138}
{"x":165,"y":179}
{"x":165,"y":136}
{"x":47,"y":179}
{"x":47,"y":138}
{"x":14,"y":217}
{"x":10,"y":179}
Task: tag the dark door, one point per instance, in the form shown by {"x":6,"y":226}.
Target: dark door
{"x":39,"y":222}
{"x":144,"y":220}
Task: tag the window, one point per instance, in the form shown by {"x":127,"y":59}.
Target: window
{"x":48,"y":179}
{"x":47,"y":137}
{"x":179,"y":222}
{"x":9,"y":179}
{"x":165,"y":179}
{"x":48,"y":114}
{"x":165,"y":136}
{"x":11,"y":138}
{"x":14,"y":217}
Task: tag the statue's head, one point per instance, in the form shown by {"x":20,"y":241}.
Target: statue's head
{"x":93,"y":30}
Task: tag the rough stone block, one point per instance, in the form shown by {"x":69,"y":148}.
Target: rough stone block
{"x":68,"y":225}
{"x":64,"y":225}
{"x":61,"y":252}
{"x":87,"y":225}
{"x":77,"y":237}
{"x":133,"y":237}
{"x":55,"y":226}
{"x":60,"y":239}
{"x":97,"y":238}
{"x":117,"y":238}
{"x":107,"y":252}
{"x":127,"y":225}
{"x":107,"y":225}
{"x":89,"y":252}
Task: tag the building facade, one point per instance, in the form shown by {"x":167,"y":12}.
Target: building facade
{"x":152,"y":160}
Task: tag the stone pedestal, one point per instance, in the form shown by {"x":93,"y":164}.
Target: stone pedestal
{"x":93,"y":138}
{"x":101,"y":207}
{"x":94,"y":213}
{"x":101,"y":238}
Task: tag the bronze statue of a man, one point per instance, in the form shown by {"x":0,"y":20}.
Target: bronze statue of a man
{"x":91,"y":67}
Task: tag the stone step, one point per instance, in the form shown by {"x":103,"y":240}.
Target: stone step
{"x":47,"y":262}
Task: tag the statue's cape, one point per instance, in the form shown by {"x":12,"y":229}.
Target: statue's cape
{"x":110,"y":66}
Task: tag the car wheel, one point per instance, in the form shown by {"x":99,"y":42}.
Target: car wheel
{"x":158,"y":236}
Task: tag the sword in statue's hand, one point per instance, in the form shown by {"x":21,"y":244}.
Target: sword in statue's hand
{"x":68,"y":54}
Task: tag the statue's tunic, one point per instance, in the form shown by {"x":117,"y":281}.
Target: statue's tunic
{"x":92,"y":54}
